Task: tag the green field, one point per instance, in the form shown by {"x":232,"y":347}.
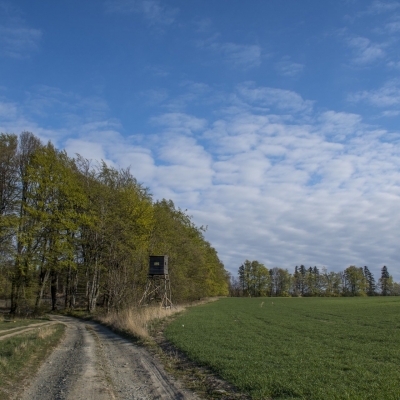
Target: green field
{"x":303,"y":348}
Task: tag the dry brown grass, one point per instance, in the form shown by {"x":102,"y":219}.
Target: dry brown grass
{"x":139,"y":321}
{"x":46,"y":331}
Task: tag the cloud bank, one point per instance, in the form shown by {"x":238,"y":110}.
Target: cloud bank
{"x":273,"y":177}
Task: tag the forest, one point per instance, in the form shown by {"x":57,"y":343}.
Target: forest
{"x":78,"y":233}
{"x":256,"y":280}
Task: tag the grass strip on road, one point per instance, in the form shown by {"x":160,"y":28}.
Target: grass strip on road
{"x":14,"y":331}
{"x":302,"y":348}
{"x":6,"y":324}
{"x":22,"y":355}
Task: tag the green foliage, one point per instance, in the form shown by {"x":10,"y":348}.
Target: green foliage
{"x":356,"y":283}
{"x":304,"y":348}
{"x":385,"y":282}
{"x":85,"y":232}
{"x":8,"y":193}
{"x":254,"y":279}
{"x":194,"y":265}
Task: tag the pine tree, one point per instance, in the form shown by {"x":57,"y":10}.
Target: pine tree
{"x":297,"y":281}
{"x":371,"y":282}
{"x":385,"y":282}
{"x":241,"y":278}
{"x":302,"y":271}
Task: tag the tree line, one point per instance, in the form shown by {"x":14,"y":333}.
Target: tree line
{"x":81,"y":232}
{"x":255,"y":280}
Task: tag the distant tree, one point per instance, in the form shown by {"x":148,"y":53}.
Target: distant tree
{"x":242,"y":281}
{"x":356,"y":284}
{"x":385,"y":282}
{"x":253,"y":278}
{"x":234,"y":286}
{"x":247,"y":278}
{"x":371,"y":289}
{"x":313,"y":282}
{"x":302,"y":271}
{"x":280,"y":281}
{"x":396,"y":289}
{"x":296,"y":289}
{"x":331,"y":283}
{"x":261,"y":279}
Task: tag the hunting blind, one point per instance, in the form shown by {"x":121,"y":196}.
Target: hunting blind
{"x":158,"y":265}
{"x":158,"y":285}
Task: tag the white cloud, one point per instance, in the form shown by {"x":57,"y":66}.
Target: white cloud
{"x":364,"y":50}
{"x":386,"y":96}
{"x":391,"y":113}
{"x":393,"y":27}
{"x":273,"y":97}
{"x":242,"y":56}
{"x":154,"y":96}
{"x":17,"y":40}
{"x":379,"y":7}
{"x":8,"y":111}
{"x":179,"y":122}
{"x":153,"y":10}
{"x":321,"y":190}
{"x":193,"y":93}
{"x":394,"y":64}
{"x":288,"y":68}
{"x":339,"y":124}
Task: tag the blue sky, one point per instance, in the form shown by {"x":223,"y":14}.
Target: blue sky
{"x":275,"y":123}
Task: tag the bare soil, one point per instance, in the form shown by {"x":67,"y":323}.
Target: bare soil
{"x":94,"y":363}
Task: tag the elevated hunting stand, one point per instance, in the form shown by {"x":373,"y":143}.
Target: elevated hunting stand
{"x":158,"y":285}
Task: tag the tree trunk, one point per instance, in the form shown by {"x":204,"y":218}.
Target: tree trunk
{"x":53,"y":289}
{"x":93,"y":289}
{"x":67,"y":288}
{"x":43,"y":280}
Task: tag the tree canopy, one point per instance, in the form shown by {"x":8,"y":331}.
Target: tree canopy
{"x":254,"y":280}
{"x":82,"y":232}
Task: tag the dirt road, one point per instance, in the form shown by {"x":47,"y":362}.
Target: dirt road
{"x":93,"y":363}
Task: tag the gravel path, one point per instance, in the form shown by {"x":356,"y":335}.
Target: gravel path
{"x":93,"y":363}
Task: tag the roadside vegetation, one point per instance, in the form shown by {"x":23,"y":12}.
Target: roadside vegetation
{"x":305,"y":348}
{"x":21,"y":355}
{"x":143,"y":323}
{"x":138,"y":322}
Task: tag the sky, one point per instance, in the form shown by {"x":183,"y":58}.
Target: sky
{"x":275,"y":124}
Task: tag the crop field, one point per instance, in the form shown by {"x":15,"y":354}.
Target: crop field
{"x":301,"y":348}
